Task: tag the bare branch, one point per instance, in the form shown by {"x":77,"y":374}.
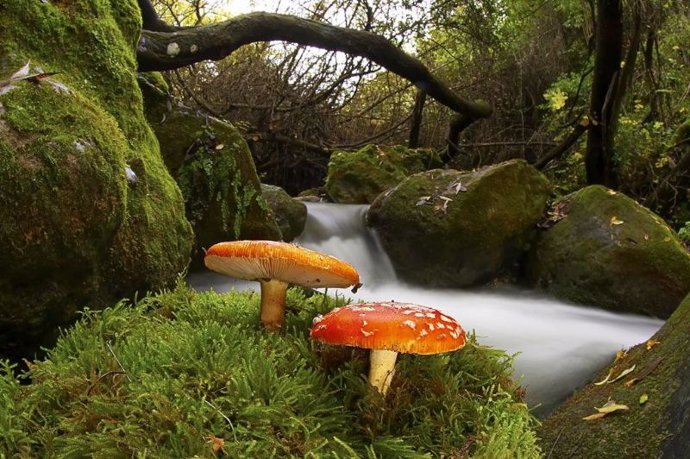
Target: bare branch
{"x":170,"y":50}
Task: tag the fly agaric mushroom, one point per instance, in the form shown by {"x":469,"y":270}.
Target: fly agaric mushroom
{"x":387,"y":329}
{"x":275,"y":265}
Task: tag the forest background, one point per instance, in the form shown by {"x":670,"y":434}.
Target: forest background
{"x":557,"y":100}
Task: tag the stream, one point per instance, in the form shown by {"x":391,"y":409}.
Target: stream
{"x":559,"y":346}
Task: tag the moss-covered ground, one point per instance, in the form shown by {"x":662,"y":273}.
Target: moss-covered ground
{"x":185,"y":374}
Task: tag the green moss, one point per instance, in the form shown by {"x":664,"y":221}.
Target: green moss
{"x":609,"y":251}
{"x":291,"y":215}
{"x":449,"y":228}
{"x":646,"y":430}
{"x":160,"y":378}
{"x":358,"y":177}
{"x":214,"y":169}
{"x":70,"y":218}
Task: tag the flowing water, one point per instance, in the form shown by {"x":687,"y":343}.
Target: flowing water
{"x":560,"y":346}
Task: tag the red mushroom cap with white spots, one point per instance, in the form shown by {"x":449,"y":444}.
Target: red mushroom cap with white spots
{"x":399,"y":327}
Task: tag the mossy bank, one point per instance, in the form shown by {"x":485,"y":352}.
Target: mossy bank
{"x":182,"y":373}
{"x":89,"y":212}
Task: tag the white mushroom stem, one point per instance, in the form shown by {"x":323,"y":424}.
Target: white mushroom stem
{"x":381,"y":369}
{"x":273,"y":303}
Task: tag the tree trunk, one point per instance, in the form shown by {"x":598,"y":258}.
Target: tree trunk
{"x":416,"y":121}
{"x":458,"y":124}
{"x":599,"y":160}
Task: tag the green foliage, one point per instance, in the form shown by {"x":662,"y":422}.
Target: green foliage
{"x":684,"y":233}
{"x":212,"y":179}
{"x":159,"y":379}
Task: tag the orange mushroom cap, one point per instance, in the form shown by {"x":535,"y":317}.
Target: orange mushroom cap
{"x":256,"y":260}
{"x":399,"y":327}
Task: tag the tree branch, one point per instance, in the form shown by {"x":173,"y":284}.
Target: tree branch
{"x":170,"y":50}
{"x":150,"y":18}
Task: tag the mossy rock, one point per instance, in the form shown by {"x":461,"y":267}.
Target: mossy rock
{"x":607,"y":250}
{"x":214,"y":169}
{"x":181,"y":373}
{"x":74,"y":229}
{"x":459,"y":229}
{"x":656,"y":393}
{"x":358,"y":177}
{"x":290,"y":213}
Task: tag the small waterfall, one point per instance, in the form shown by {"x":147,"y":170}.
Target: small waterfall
{"x":559,"y":346}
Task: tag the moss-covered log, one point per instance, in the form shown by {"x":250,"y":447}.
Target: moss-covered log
{"x":657,"y":423}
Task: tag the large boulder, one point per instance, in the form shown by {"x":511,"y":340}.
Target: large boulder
{"x":606,"y":250}
{"x":358,"y":177}
{"x":656,"y":391}
{"x":214,"y":169}
{"x":89,"y":212}
{"x":290,"y":213}
{"x":458,"y":229}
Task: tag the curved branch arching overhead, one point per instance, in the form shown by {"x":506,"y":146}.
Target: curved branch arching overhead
{"x":167,"y":50}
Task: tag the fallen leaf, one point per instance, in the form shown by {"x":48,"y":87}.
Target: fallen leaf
{"x":423,"y":200}
{"x":217,"y":444}
{"x":459,"y":187}
{"x":620,"y":355}
{"x":612,"y":193}
{"x":631,"y":382}
{"x":624,"y":373}
{"x":643,"y":399}
{"x":651,"y":343}
{"x":21,"y":73}
{"x":606,"y":379}
{"x":220,"y":146}
{"x":615,"y":221}
{"x":593,"y":417}
{"x":611,"y":407}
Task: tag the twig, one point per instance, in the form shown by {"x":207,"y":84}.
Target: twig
{"x":224,"y":417}
{"x":107,"y":343}
{"x":553,"y":446}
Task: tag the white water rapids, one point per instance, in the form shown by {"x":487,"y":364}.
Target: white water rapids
{"x":560,"y":346}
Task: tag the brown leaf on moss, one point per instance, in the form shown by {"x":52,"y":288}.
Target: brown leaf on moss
{"x":217,"y":444}
{"x":651,"y":343}
{"x":610,"y":407}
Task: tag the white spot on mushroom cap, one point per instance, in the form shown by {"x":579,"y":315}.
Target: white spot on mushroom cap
{"x":445,"y":318}
{"x":431,"y":327}
{"x":366,"y":333}
{"x":423,"y":333}
{"x":317,"y":319}
{"x":410,"y":323}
